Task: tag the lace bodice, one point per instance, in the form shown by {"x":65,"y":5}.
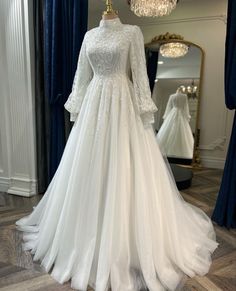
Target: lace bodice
{"x":113,"y":49}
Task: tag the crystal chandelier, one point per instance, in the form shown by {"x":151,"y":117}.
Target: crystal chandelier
{"x":152,"y":8}
{"x":190,"y":90}
{"x":171,"y":45}
{"x":173,"y":49}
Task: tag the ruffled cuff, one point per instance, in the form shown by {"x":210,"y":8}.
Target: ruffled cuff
{"x":73,"y":117}
{"x":147,"y":118}
{"x":147,"y":113}
{"x":70,"y":106}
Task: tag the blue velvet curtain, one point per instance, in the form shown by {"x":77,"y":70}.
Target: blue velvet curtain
{"x":64,"y":29}
{"x":225,"y":211}
{"x":152,"y":64}
{"x":42,"y":115}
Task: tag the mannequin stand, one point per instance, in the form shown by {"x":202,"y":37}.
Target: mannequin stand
{"x":183,"y":176}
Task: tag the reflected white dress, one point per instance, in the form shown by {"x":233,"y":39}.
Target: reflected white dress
{"x":112,"y":216}
{"x":175,"y":136}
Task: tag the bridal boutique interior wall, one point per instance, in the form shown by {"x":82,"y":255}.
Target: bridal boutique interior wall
{"x":204,"y":23}
{"x":17,"y":140}
{"x":215,"y":119}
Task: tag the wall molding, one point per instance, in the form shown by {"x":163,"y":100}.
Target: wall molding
{"x":17,"y":126}
{"x":219,"y":143}
{"x":212,"y":162}
{"x":221,"y":17}
{"x":4,"y":184}
{"x":22,"y":186}
{"x":18,"y":186}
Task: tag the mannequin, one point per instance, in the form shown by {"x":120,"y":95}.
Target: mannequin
{"x":175,"y":137}
{"x":129,"y":228}
{"x":110,"y":13}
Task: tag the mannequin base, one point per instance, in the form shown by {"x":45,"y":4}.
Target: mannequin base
{"x":183,"y":176}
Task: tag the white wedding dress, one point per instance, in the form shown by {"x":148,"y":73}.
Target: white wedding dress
{"x":175,"y":136}
{"x":112,"y":216}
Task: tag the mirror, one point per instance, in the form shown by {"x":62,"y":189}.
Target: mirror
{"x":175,"y":83}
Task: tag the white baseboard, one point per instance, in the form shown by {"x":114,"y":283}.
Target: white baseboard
{"x":4,"y":184}
{"x":211,"y":162}
{"x":18,"y":186}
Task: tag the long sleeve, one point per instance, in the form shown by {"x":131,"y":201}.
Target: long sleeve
{"x":83,"y":75}
{"x":145,"y":105}
{"x":169,"y":106}
{"x":186,"y":109}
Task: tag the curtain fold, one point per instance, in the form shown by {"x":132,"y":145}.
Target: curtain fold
{"x":224,"y":213}
{"x":152,"y":65}
{"x":42,"y":116}
{"x":64,"y":28}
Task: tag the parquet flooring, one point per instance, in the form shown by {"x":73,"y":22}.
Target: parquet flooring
{"x":19,"y":273}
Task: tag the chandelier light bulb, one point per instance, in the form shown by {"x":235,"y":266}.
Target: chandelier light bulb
{"x":173,"y":49}
{"x":152,"y":8}
{"x":190,"y":90}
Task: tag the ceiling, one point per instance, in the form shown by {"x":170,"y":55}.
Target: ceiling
{"x":185,"y":9}
{"x":184,"y":67}
{"x":122,"y":4}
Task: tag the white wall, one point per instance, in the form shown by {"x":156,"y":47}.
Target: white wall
{"x":204,"y":23}
{"x":191,"y":72}
{"x":17,"y":132}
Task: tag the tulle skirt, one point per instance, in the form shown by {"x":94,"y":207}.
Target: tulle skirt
{"x":175,"y":136}
{"x":112,"y":216}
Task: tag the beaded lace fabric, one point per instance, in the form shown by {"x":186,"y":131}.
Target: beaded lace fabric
{"x":112,"y":216}
{"x":107,"y":54}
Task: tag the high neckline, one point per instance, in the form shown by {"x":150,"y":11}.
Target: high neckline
{"x":110,"y":23}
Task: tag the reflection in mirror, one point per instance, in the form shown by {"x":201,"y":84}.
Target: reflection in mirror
{"x":175,"y":136}
{"x":175,"y":90}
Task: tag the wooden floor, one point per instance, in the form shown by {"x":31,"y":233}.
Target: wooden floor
{"x":19,"y":273}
